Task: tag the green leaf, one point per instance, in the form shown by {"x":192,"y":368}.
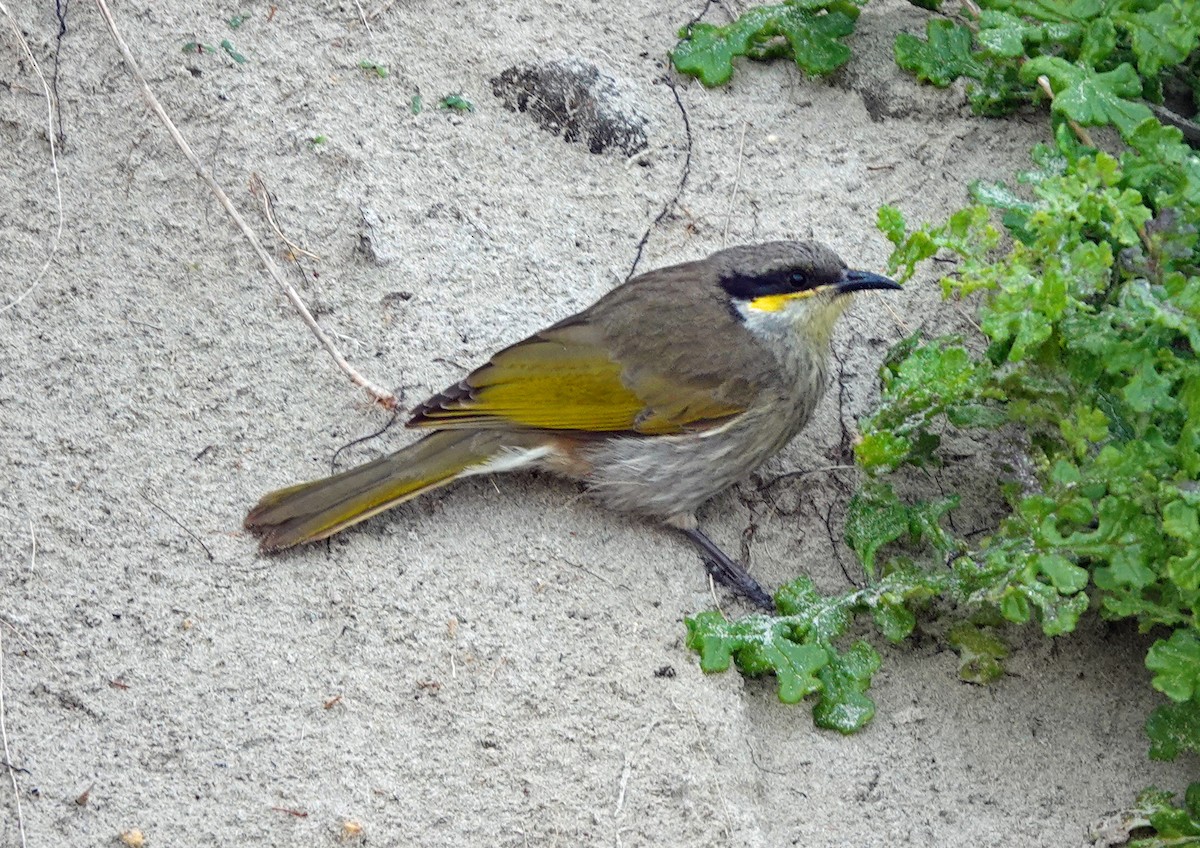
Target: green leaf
{"x":821,"y":619}
{"x":229,"y":49}
{"x":810,"y":31}
{"x":1099,"y":41}
{"x":1014,"y":607}
{"x":1174,"y":728}
{"x":882,"y":451}
{"x":1148,"y":390}
{"x":759,"y":645}
{"x":707,"y":51}
{"x":1162,"y":37}
{"x":456,"y":103}
{"x":710,"y":636}
{"x":944,"y":55}
{"x":999,"y":196}
{"x":981,"y":653}
{"x":1091,"y":97}
{"x":378,"y":68}
{"x":795,"y":666}
{"x":1180,"y":520}
{"x":842,"y":705}
{"x":874,"y":518}
{"x":1002,"y":34}
{"x":894,"y":620}
{"x":890,"y":221}
{"x":1063,"y":574}
{"x":1176,"y":666}
{"x":814,"y":39}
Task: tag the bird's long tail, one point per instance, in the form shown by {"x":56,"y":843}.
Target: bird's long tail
{"x":312,"y":511}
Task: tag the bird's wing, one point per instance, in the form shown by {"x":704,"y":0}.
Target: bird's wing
{"x":564,"y":378}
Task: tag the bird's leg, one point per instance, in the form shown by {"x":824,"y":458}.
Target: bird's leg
{"x":727,"y":572}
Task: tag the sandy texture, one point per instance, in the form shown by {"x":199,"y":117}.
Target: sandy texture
{"x":501,"y":664}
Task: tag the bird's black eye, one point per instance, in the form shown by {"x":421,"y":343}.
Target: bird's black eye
{"x":778,"y":281}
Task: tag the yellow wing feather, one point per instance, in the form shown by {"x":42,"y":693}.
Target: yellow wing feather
{"x":563,"y":379}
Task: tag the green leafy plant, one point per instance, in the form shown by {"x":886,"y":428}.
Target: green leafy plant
{"x":1100,"y":59}
{"x":1156,"y":822}
{"x":456,"y":103}
{"x":1092,"y":327}
{"x":231,"y":51}
{"x":798,"y":645}
{"x":1088,"y":296}
{"x":378,"y":68}
{"x":808,"y":31}
{"x":1086,"y":276}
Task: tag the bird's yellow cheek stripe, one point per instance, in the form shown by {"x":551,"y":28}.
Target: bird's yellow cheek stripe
{"x":776,"y":302}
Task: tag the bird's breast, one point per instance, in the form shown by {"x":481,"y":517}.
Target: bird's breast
{"x":668,"y":476}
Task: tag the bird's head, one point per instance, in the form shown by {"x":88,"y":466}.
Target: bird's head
{"x":791,"y":286}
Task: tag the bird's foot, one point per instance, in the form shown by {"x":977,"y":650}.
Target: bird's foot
{"x":728,"y":573}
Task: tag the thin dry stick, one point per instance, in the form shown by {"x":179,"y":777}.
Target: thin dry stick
{"x":379,"y":10}
{"x":381,"y":395}
{"x":627,"y":770}
{"x":362,"y":16}
{"x":53,"y":163}
{"x":30,"y":645}
{"x":737,"y":178}
{"x":258,"y":189}
{"x":900,"y":322}
{"x":12,"y":771}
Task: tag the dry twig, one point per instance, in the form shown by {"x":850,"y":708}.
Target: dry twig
{"x":258,"y":189}
{"x":12,"y":771}
{"x":737,"y":178}
{"x":381,"y":395}
{"x":53,"y":166}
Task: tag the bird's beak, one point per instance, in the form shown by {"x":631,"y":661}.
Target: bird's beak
{"x":853,"y":281}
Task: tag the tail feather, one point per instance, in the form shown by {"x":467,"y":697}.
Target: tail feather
{"x":312,"y":511}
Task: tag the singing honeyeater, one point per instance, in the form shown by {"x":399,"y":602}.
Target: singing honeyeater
{"x":665,"y":391}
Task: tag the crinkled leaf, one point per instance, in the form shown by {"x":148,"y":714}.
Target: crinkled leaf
{"x":842,"y":705}
{"x":874,"y":518}
{"x":981,"y":652}
{"x":894,"y":620}
{"x":1091,"y":97}
{"x":814,"y":40}
{"x":759,"y":645}
{"x":1164,"y":36}
{"x":1176,"y":665}
{"x":810,"y":29}
{"x":1064,"y":575}
{"x":1180,"y":520}
{"x":890,"y":221}
{"x":1174,"y":729}
{"x":944,"y":55}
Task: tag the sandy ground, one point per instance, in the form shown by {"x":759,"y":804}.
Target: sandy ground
{"x":501,"y":664}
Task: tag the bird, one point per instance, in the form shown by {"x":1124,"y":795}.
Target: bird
{"x":667,"y":390}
